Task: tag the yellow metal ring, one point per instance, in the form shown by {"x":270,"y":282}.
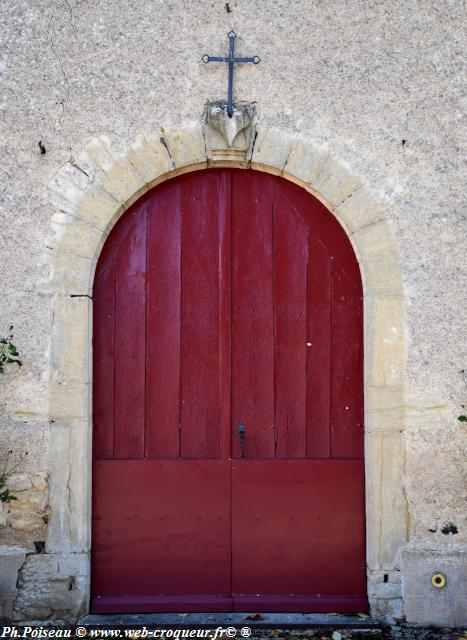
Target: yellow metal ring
{"x":438,"y":580}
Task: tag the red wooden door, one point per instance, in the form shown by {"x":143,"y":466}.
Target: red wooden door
{"x":228,"y":403}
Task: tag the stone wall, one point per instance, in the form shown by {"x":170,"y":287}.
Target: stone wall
{"x":29,"y":513}
{"x":378,"y":86}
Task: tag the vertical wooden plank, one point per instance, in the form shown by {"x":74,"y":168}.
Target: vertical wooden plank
{"x":103,"y":357}
{"x":252,"y":312}
{"x":347,"y":361}
{"x":163,"y":323}
{"x":290,"y":327}
{"x":225,"y":311}
{"x":130,"y":336}
{"x":200,"y":316}
{"x":319,"y":351}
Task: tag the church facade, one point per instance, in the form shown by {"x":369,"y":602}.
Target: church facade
{"x":314,"y":359}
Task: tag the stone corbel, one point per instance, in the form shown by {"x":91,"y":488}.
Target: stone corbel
{"x":229,"y":138}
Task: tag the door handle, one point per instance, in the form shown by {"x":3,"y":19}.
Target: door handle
{"x":241,"y":431}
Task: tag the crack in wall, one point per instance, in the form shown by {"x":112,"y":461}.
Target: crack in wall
{"x":64,"y":101}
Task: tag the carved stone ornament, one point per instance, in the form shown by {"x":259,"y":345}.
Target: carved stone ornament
{"x":229,"y":138}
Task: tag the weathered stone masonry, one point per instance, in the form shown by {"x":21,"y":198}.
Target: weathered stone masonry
{"x":89,"y":195}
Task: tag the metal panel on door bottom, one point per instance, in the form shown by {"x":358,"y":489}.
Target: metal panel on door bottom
{"x":298,"y":538}
{"x":162,"y":535}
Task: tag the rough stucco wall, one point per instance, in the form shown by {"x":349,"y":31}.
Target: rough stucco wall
{"x":362,"y":77}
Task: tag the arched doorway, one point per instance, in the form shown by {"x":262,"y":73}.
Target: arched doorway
{"x":228,"y":403}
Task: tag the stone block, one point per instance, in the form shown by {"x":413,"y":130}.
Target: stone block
{"x":11,"y":560}
{"x":386,"y":510}
{"x":150,"y":157}
{"x":335,"y":182}
{"x":391,"y":610}
{"x":112,"y":171}
{"x":385,"y":320}
{"x":70,"y":356}
{"x":25,"y":521}
{"x":360,"y":210}
{"x":80,"y":435}
{"x":52,"y":586}
{"x":59,"y":526}
{"x":72,"y":236}
{"x":305,"y":161}
{"x":71,"y":275}
{"x":185,"y":146}
{"x":69,"y":401}
{"x":39,"y":481}
{"x":381,"y":275}
{"x":272,"y":148}
{"x":394,"y":408}
{"x":92,"y":205}
{"x":30,"y":500}
{"x":424,"y":604}
{"x":19,"y":482}
{"x":385,"y":408}
{"x":375,"y":239}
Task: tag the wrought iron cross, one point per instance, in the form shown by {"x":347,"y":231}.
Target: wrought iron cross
{"x":231,"y":59}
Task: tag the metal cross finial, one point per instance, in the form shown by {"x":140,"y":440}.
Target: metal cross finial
{"x":230,"y":60}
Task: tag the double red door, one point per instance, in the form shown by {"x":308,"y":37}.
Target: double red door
{"x":228,"y":403}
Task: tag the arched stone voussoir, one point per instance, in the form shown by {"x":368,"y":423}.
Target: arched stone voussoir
{"x":313,"y":166}
{"x":186,"y":146}
{"x":305,"y":162}
{"x":378,"y":256}
{"x":77,"y":194}
{"x":150,"y":157}
{"x":271,"y":149}
{"x":72,"y":236}
{"x":335,"y":182}
{"x":112,"y":170}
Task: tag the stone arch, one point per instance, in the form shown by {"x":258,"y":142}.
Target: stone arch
{"x":93,"y":191}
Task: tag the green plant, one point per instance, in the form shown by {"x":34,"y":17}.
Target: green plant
{"x":5,"y":495}
{"x":8,"y":353}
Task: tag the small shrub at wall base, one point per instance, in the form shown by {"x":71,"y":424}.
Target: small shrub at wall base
{"x":8,"y":352}
{"x":8,"y":355}
{"x":5,"y":495}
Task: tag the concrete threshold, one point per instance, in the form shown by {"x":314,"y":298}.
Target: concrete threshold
{"x":213,"y":620}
